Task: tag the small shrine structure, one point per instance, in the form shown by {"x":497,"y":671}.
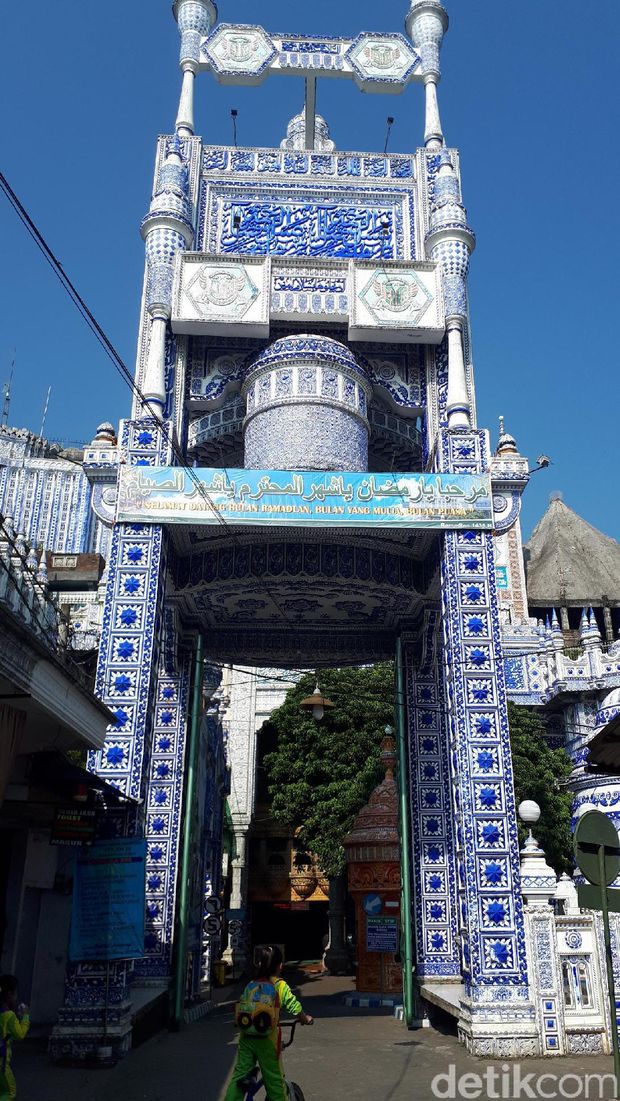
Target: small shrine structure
{"x":373,"y":867}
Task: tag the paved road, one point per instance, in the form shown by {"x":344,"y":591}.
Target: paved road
{"x":348,"y":1054}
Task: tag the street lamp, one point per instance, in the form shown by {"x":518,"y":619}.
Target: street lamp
{"x":529,"y":813}
{"x":316,"y":703}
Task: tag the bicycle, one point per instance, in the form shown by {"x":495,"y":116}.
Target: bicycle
{"x":252,"y":1083}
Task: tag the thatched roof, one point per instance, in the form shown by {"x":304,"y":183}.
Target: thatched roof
{"x":568,"y":563}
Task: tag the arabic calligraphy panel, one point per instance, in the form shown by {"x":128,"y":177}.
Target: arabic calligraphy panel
{"x":258,"y":229}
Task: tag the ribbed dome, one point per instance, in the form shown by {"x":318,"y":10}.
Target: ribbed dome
{"x":320,"y":350}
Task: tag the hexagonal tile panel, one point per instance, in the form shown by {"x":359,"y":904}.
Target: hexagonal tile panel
{"x":382,"y":59}
{"x":238,"y":54}
{"x":221,"y":291}
{"x":396,"y":298}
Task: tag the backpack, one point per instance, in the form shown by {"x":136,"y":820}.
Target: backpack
{"x":258,"y":1010}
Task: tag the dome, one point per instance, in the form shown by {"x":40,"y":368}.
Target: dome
{"x":609,"y":708}
{"x":307,"y":402}
{"x":506,"y":445}
{"x":321,"y":351}
{"x":296,"y":134}
{"x":105,"y":436}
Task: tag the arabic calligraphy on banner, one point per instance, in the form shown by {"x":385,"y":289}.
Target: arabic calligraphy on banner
{"x":304,"y":498}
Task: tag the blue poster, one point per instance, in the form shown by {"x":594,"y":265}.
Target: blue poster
{"x":304,"y":498}
{"x":107,"y":921}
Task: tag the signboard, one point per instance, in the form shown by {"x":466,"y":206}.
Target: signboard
{"x":73,"y":826}
{"x":107,"y":921}
{"x":236,"y":915}
{"x":501,"y":577}
{"x":304,"y":498}
{"x":381,"y":934}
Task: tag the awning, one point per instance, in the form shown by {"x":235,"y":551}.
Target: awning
{"x":604,"y":749}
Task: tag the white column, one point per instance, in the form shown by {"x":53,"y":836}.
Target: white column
{"x":185,"y":116}
{"x":458,"y":399}
{"x":433,"y":133}
{"x":154,"y":384}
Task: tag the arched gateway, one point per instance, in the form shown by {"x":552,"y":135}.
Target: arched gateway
{"x":303,"y":482}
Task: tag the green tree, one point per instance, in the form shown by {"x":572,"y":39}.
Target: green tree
{"x":321,"y":773}
{"x":540,"y":774}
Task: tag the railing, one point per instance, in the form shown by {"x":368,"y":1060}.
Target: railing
{"x":24,"y":594}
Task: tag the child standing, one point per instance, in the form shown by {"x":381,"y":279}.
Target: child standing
{"x":265,"y":1049}
{"x":14,"y":1025}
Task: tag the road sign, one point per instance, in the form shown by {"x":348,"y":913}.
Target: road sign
{"x":372,"y":904}
{"x":597,"y":850}
{"x":595,"y":830}
{"x":589,"y":898}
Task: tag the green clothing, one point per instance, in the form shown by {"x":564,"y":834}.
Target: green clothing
{"x":264,"y":1050}
{"x":253,"y":1050}
{"x":11,"y":1028}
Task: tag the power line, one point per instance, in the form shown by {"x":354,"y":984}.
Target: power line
{"x":121,"y":366}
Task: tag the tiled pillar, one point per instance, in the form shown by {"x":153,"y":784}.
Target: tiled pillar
{"x":433,"y":843}
{"x":499,"y":1018}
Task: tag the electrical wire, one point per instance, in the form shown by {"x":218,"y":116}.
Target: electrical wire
{"x":121,"y":367}
{"x":128,"y":378}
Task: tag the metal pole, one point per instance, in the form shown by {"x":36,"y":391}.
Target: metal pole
{"x":610,"y":966}
{"x":178,"y":980}
{"x":106,"y":1004}
{"x":405,"y":838}
{"x":310,"y":112}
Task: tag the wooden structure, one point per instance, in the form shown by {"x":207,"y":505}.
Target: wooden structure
{"x":373,"y":864}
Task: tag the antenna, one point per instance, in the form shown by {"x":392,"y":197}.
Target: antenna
{"x":233,"y":114}
{"x":47,"y":402}
{"x":390,"y":123}
{"x":7,"y":396}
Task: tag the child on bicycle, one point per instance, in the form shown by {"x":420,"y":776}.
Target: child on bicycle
{"x":14,"y":1025}
{"x":260,"y":1039}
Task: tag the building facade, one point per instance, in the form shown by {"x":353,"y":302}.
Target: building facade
{"x":304,"y":333}
{"x":305,"y":309}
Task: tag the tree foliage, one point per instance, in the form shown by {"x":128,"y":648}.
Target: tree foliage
{"x":321,"y":773}
{"x":539,"y":774}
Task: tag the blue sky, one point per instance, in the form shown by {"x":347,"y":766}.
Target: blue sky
{"x":529,"y":96}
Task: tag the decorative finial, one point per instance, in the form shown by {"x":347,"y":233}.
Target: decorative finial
{"x":506,"y":445}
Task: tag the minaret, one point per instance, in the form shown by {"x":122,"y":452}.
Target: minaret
{"x":556,"y":632}
{"x":426,"y":25}
{"x":595,"y":635}
{"x":195,"y":19}
{"x":166,"y":229}
{"x":450,"y":242}
{"x":584,"y":629}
